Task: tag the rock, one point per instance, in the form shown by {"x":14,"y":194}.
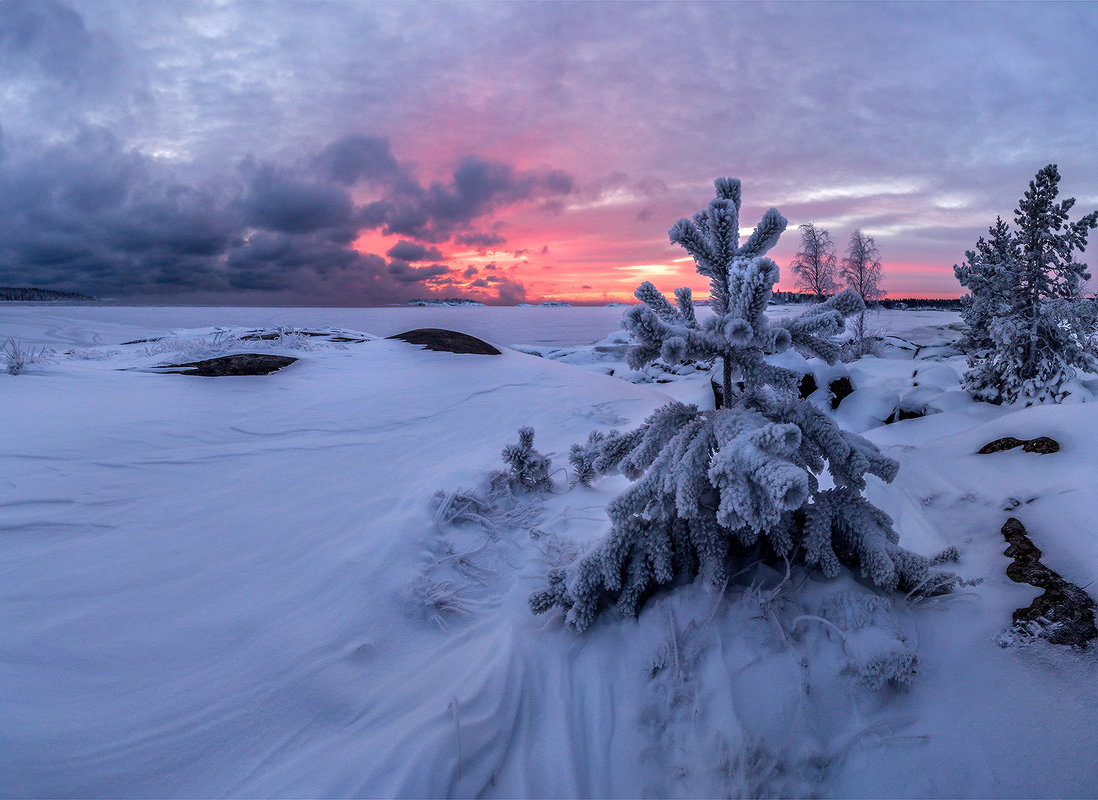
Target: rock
{"x":839,"y":388}
{"x":1064,"y":612}
{"x":224,"y":366}
{"x":1042,"y":445}
{"x":901,"y":414}
{"x":445,"y":341}
{"x":999,"y":445}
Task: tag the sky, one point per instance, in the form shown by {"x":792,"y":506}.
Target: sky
{"x":359,"y":154}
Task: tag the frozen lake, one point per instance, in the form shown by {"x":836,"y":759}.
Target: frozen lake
{"x":88,"y":325}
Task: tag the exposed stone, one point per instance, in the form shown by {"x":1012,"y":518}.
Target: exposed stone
{"x":999,"y":445}
{"x":901,"y":414}
{"x":1042,"y":445}
{"x":839,"y":388}
{"x":225,"y":366}
{"x":1064,"y":611}
{"x":445,"y":341}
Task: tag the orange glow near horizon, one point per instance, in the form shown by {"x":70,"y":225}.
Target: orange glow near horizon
{"x":584,"y":271}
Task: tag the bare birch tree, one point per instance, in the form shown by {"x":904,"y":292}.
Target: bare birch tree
{"x":861,"y":270}
{"x":815,"y":264}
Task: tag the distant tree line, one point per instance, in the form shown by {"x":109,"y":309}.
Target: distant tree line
{"x":31,"y":294}
{"x":952,"y":304}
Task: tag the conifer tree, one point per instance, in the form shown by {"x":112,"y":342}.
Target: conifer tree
{"x":815,"y":263}
{"x":984,"y":274}
{"x":712,"y":488}
{"x":1043,"y":328}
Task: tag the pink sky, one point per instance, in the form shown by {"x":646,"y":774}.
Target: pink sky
{"x":360,"y":153}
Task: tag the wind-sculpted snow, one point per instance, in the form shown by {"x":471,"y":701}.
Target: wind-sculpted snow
{"x":209,"y":588}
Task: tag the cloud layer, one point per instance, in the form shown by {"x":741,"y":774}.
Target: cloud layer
{"x":368,"y":153}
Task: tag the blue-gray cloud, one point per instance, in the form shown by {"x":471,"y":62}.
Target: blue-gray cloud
{"x":202,"y":146}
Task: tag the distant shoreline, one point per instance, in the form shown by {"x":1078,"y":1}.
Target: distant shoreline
{"x":35,"y":295}
{"x":30,"y":294}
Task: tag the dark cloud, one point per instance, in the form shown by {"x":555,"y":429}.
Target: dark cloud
{"x":357,"y":158}
{"x":511,"y":291}
{"x":279,"y":201}
{"x":481,"y":241}
{"x":440,"y":211}
{"x":89,"y":215}
{"x":413,"y":251}
{"x":405,"y":273}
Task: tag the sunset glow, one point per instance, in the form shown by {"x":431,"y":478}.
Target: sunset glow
{"x":366,"y":154}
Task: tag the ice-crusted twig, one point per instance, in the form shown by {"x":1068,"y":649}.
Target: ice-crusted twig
{"x":821,"y":620}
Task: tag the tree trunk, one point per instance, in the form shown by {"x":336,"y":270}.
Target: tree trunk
{"x":727,"y":363}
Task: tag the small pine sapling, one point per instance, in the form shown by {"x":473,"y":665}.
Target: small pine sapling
{"x":529,"y":468}
{"x":715,"y":487}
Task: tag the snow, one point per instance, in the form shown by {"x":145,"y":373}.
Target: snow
{"x":238,"y":586}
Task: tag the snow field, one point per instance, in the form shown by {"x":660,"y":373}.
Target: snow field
{"x":239,"y":587}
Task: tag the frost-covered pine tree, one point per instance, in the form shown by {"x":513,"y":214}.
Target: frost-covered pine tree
{"x":1043,"y":328}
{"x":815,"y":263}
{"x":985,"y":274}
{"x":713,"y":488}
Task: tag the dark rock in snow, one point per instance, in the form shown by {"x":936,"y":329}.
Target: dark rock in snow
{"x":839,"y":388}
{"x":445,"y":341}
{"x":225,"y":366}
{"x":999,"y":445}
{"x":1042,"y":445}
{"x":901,"y":414}
{"x":1064,"y":612}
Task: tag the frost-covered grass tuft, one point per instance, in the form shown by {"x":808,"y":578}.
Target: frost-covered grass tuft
{"x":19,"y":358}
{"x":440,"y":601}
